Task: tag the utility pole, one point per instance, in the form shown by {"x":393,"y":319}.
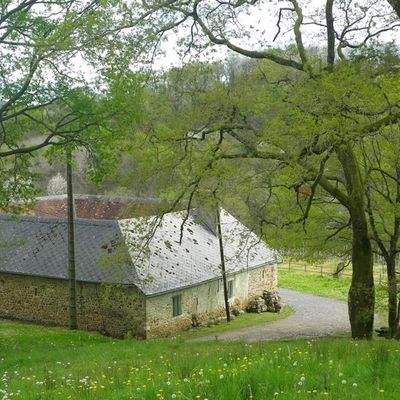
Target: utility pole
{"x":223,"y":270}
{"x":71,"y":246}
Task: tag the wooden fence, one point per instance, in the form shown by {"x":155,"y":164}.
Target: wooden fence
{"x":330,"y":267}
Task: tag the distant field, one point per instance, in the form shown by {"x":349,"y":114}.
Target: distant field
{"x":329,"y":266}
{"x":52,"y":363}
{"x":325,"y":285}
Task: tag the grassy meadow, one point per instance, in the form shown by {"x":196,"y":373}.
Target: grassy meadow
{"x":54,"y":363}
{"x":327,"y":286}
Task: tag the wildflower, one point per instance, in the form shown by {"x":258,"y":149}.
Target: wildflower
{"x":173,"y":395}
{"x":221,"y":377}
{"x":302,"y":379}
{"x":355,"y":384}
{"x":344,"y":381}
{"x":340,"y":373}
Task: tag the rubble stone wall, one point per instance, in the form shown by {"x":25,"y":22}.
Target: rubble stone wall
{"x":120,"y":310}
{"x":263,"y":278}
{"x":112,"y":310}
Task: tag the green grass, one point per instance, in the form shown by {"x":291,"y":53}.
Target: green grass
{"x":309,"y":282}
{"x":242,"y":321}
{"x":51,"y":363}
{"x":327,"y":286}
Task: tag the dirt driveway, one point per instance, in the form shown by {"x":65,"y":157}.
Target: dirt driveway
{"x":313,"y":316}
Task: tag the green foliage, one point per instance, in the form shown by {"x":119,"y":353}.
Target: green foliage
{"x":268,"y":109}
{"x":64,"y":83}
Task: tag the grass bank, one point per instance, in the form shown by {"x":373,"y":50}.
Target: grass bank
{"x":242,"y":321}
{"x":52,"y":363}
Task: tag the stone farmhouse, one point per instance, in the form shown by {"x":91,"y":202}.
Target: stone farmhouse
{"x":124,"y":287}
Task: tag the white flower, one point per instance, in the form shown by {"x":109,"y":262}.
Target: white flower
{"x":57,"y":185}
{"x":300,"y":383}
{"x":355,"y":384}
{"x":302,"y":379}
{"x":340,"y":373}
{"x":221,"y":377}
{"x":344,"y":381}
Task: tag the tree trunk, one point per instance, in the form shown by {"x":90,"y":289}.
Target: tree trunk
{"x":71,"y":246}
{"x":392,"y":296}
{"x":397,"y":334}
{"x":361,"y":301}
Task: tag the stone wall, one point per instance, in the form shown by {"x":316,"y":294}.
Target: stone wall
{"x":111,"y":310}
{"x":263,"y":278}
{"x":117,"y":311}
{"x":206,"y":301}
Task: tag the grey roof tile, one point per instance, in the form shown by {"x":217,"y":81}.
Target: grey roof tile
{"x":38,"y":246}
{"x":114,"y":251}
{"x":170,"y":265}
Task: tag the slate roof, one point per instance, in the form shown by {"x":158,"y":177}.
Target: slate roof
{"x":113,"y":251}
{"x":38,"y":246}
{"x":170,"y":265}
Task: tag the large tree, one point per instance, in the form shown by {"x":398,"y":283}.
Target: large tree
{"x":313,"y":125}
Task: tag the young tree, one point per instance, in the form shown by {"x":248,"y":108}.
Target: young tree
{"x":57,"y":62}
{"x":381,"y":160}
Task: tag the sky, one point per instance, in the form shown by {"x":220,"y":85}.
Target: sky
{"x":260,"y":22}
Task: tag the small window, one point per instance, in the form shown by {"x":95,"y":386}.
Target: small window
{"x":176,"y":305}
{"x":230,"y":289}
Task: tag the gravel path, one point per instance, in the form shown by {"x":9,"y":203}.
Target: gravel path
{"x":313,"y":316}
